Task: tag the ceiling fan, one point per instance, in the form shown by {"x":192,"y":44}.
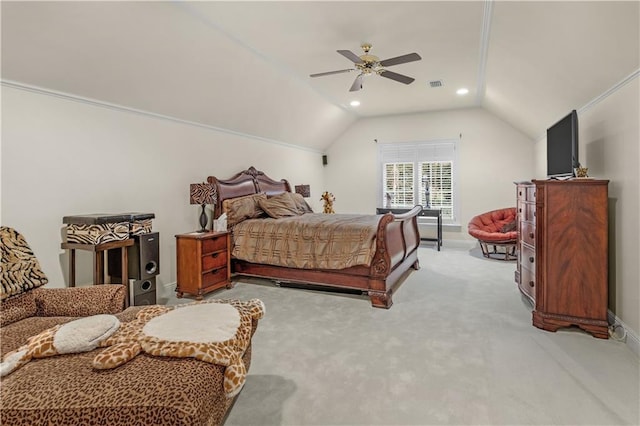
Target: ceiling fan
{"x":369,"y":65}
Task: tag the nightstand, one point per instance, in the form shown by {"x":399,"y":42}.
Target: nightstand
{"x":203,"y":261}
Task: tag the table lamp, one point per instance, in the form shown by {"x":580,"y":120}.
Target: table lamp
{"x":203,"y":194}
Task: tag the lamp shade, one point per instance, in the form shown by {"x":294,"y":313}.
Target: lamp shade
{"x":202,"y":193}
{"x":304,"y":190}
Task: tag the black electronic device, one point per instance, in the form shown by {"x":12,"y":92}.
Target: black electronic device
{"x":143,"y":292}
{"x":562,"y":147}
{"x":143,"y":258}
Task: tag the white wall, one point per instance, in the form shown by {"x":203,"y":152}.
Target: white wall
{"x":492,"y":156}
{"x":609,"y":138}
{"x":62,"y":157}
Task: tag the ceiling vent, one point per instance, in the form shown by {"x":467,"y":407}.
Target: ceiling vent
{"x":436,"y":83}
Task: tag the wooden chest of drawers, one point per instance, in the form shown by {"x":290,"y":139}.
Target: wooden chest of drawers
{"x":203,"y":263}
{"x":563,"y":252}
{"x":526,"y":247}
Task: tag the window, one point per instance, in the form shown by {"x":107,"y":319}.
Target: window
{"x":418,"y":173}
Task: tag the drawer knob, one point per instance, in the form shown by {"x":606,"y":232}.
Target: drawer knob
{"x":531,"y":259}
{"x":530,"y":283}
{"x":531,"y":235}
{"x":214,"y":255}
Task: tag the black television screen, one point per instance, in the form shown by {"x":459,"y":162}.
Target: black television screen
{"x":562,"y":146}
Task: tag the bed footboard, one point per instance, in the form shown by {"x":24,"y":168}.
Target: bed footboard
{"x":397,"y":242}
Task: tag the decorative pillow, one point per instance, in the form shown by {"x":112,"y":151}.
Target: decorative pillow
{"x":81,"y":335}
{"x":508,"y":227}
{"x":300,"y":202}
{"x":242,"y":208}
{"x":281,"y":205}
{"x":19,"y":270}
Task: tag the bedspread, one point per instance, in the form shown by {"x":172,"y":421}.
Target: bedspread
{"x":309,"y":241}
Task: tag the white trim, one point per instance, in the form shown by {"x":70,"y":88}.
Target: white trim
{"x":631,"y":339}
{"x":619,"y":85}
{"x":122,"y":108}
{"x":484,"y":51}
{"x":593,"y":102}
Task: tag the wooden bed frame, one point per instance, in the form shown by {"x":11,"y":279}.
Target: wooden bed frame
{"x":397,"y":241}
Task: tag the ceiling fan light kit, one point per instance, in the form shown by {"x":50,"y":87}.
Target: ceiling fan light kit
{"x":368,"y":65}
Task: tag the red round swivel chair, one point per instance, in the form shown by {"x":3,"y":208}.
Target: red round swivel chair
{"x":496,"y":229}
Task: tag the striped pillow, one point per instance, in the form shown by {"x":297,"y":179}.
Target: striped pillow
{"x":19,"y":270}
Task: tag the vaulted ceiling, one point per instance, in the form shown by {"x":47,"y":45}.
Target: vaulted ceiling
{"x":245,"y":66}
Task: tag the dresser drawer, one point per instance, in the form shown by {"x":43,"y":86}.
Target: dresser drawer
{"x":527,"y":233}
{"x":214,"y":260}
{"x":527,"y":212}
{"x":214,"y":277}
{"x":528,"y":282}
{"x":528,"y":257}
{"x":527,"y":193}
{"x":214,"y":244}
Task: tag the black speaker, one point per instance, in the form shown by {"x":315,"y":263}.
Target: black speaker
{"x":143,"y":292}
{"x":324,"y":160}
{"x":143,"y":258}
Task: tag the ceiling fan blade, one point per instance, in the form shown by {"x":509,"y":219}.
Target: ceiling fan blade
{"x":397,"y":77}
{"x":357,"y":84}
{"x":350,"y":56}
{"x":330,"y":73}
{"x":400,"y":59}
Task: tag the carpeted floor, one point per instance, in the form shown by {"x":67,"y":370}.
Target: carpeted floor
{"x":456,"y":348}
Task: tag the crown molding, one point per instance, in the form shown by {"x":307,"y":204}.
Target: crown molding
{"x":619,"y":85}
{"x":595,"y":101}
{"x":121,"y":108}
{"x":484,"y":51}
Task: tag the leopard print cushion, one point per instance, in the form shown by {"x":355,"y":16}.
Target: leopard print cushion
{"x":80,"y":301}
{"x":19,"y":270}
{"x":16,"y":308}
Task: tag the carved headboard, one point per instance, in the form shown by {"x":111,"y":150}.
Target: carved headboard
{"x":247,"y":182}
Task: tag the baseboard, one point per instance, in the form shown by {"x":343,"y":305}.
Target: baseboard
{"x":630,"y":338}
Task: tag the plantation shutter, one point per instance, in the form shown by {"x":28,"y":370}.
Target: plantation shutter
{"x":407,"y":169}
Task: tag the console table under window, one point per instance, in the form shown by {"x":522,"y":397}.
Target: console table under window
{"x":437,"y":213}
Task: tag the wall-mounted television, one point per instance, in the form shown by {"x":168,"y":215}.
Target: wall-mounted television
{"x":562,"y":147}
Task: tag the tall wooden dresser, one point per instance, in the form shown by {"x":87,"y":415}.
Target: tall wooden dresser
{"x":563,"y":252}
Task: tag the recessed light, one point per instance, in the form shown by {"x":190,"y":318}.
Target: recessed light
{"x":462,"y":91}
{"x":355,"y":103}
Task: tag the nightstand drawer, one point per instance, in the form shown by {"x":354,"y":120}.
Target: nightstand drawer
{"x":214,"y":277}
{"x":214,"y":244}
{"x":214,"y":260}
